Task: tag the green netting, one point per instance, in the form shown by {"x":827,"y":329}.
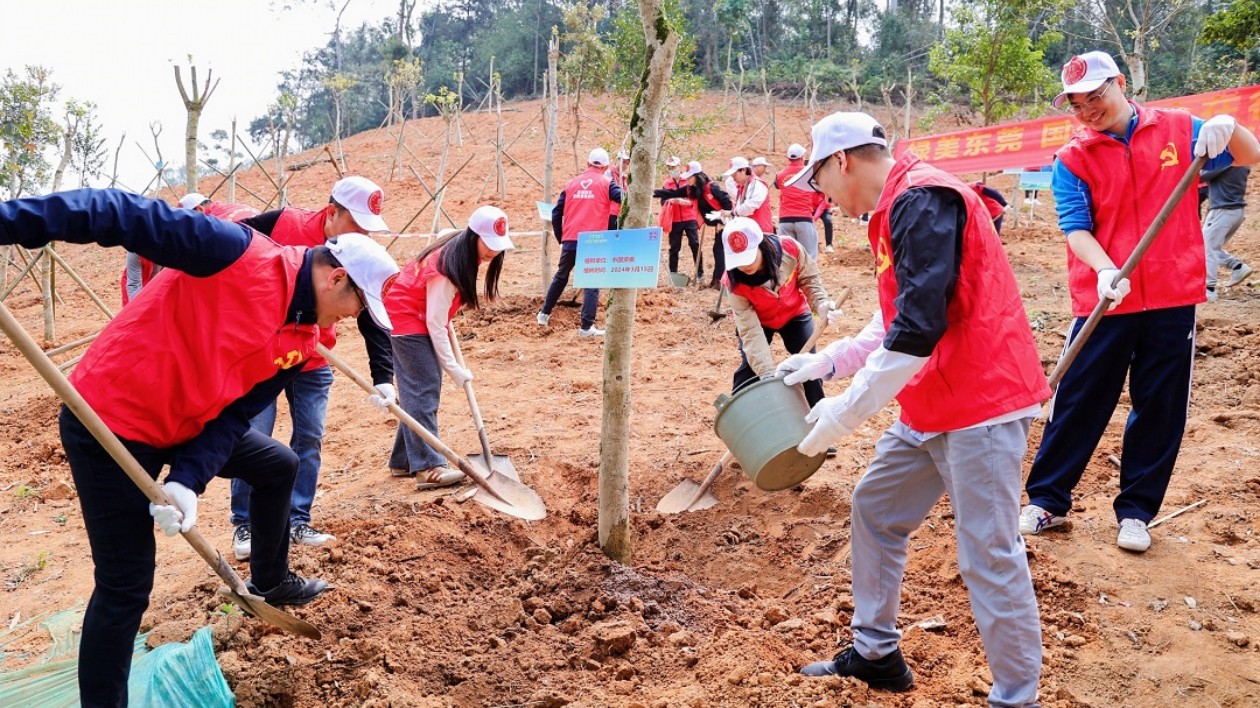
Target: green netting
{"x":170,"y":675}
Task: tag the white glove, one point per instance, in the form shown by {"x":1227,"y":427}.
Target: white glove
{"x":460,"y":376}
{"x":829,"y":311}
{"x":179,"y":517}
{"x":1214,"y":136}
{"x":713,"y":217}
{"x":384,"y":396}
{"x":827,"y":427}
{"x":803,"y":367}
{"x":1105,"y":289}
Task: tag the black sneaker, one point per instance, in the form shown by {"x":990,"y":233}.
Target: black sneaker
{"x":294,"y":590}
{"x":888,"y":673}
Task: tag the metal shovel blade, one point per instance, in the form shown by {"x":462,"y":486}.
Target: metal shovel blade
{"x":259,"y":608}
{"x":521,"y":501}
{"x":502,"y":466}
{"x":676,"y":501}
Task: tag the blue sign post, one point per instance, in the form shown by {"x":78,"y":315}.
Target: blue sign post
{"x":629,"y":258}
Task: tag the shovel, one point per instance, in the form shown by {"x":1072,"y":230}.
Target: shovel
{"x":689,"y":496}
{"x":1069,"y":355}
{"x":236,"y":590}
{"x":716,"y":315}
{"x":486,"y":462}
{"x":501,"y":492}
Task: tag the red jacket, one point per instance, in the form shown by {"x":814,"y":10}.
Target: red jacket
{"x":672,"y":212}
{"x":795,"y":202}
{"x":775,"y":309}
{"x":1128,"y":185}
{"x":986,"y":364}
{"x":586,"y":204}
{"x":303,"y":227}
{"x":145,"y":355}
{"x":406,"y":300}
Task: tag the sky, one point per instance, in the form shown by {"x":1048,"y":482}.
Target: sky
{"x":120,"y":54}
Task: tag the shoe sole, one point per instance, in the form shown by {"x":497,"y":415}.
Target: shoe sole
{"x":1233,"y":282}
{"x":297,"y":601}
{"x":240,"y":556}
{"x":314,"y":544}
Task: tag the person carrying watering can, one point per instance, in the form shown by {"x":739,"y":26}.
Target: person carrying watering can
{"x":429,"y":291}
{"x":773,"y":284}
{"x":952,"y":343}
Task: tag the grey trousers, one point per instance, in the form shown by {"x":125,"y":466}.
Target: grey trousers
{"x":419,"y":380}
{"x":805,"y":234}
{"x":980,"y":469}
{"x":1219,"y":226}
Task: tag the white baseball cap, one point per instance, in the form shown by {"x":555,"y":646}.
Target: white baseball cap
{"x":736,"y":164}
{"x":371,"y":268}
{"x":795,"y":151}
{"x":673,"y":161}
{"x":598,"y":157}
{"x":759,"y":161}
{"x":740,"y":239}
{"x":693,"y":169}
{"x":1084,"y":73}
{"x":192,"y":200}
{"x":491,"y":224}
{"x":838,"y":132}
{"x":363,"y":199}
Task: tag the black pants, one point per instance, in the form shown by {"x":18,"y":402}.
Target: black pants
{"x":795,"y":333}
{"x":590,"y":297}
{"x":1155,"y":351}
{"x":121,"y":535}
{"x":676,"y":231}
{"x":719,"y":260}
{"x":827,"y":225}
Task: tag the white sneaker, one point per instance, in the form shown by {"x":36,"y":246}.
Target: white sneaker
{"x":307,"y":535}
{"x":591,"y":331}
{"x":830,"y":249}
{"x":1239,"y":274}
{"x":241,"y":537}
{"x":543,"y":319}
{"x":1133,"y":536}
{"x":1033,"y":520}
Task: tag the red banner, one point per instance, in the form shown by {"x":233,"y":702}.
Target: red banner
{"x":1033,"y":143}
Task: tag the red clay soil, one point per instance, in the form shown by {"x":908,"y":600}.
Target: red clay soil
{"x":438,"y":603}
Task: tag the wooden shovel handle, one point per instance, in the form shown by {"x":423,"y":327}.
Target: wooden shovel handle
{"x":472,"y":398}
{"x":1127,"y":269}
{"x":813,"y":339}
{"x":708,"y":481}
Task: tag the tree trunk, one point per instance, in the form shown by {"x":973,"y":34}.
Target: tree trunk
{"x":67,"y":152}
{"x":550,"y":87}
{"x":497,"y":82}
{"x":194,"y":105}
{"x":231,"y":193}
{"x":614,"y":464}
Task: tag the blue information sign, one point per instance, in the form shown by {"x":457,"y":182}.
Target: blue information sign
{"x":630,"y":258}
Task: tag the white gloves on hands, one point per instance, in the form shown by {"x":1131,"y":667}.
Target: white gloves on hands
{"x":830,"y":312}
{"x":1105,"y":288}
{"x":384,"y":396}
{"x":460,"y":375}
{"x":1214,"y":136}
{"x":181,"y":516}
{"x":803,"y":367}
{"x":827,"y":427}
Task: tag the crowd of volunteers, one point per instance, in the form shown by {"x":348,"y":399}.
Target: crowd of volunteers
{"x":950,"y":342}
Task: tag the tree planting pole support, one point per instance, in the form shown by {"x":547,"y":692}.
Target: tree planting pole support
{"x":614,"y":463}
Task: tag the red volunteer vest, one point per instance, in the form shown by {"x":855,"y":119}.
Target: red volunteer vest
{"x":586,"y":204}
{"x":229,"y":212}
{"x":762,"y":215}
{"x":159,"y":349}
{"x":615,"y":176}
{"x":1128,"y":186}
{"x":303,"y":227}
{"x":775,"y":309}
{"x":795,"y":202}
{"x":987,"y":363}
{"x":680,"y":212}
{"x":406,"y":301}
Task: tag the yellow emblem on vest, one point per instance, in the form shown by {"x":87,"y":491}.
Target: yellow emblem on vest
{"x":883,"y":261}
{"x":1168,"y":156}
{"x":288,"y":361}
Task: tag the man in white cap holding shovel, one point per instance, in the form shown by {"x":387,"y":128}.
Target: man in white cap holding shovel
{"x":952,"y":344}
{"x":1109,"y":183}
{"x":177,"y":375}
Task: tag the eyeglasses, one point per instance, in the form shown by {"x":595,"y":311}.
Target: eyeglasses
{"x":1092,"y":102}
{"x":358,"y":292}
{"x":813,"y":178}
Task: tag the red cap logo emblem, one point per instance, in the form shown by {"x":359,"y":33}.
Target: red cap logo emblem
{"x":739,"y":242}
{"x":500,"y":226}
{"x":1074,"y":70}
{"x":374,"y":202}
